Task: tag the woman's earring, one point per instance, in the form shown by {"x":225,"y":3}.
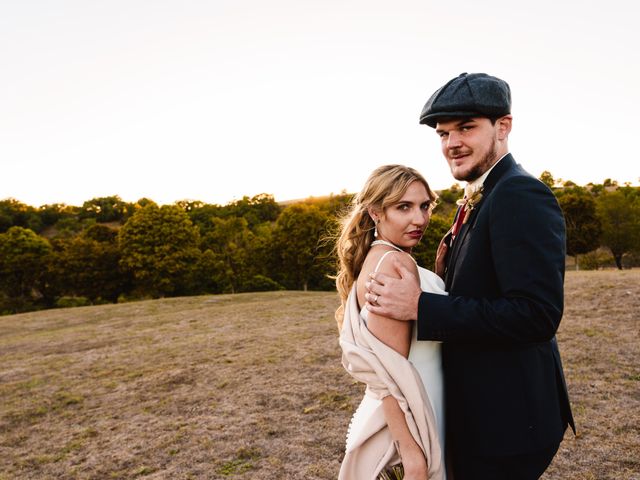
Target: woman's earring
{"x":375,"y":229}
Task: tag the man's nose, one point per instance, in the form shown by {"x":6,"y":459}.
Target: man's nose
{"x":453,"y":140}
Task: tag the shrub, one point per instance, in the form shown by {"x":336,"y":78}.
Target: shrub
{"x":69,"y":302}
{"x":260,"y":283}
{"x":596,"y":260}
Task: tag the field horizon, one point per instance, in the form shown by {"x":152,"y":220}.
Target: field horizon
{"x":250,"y":386}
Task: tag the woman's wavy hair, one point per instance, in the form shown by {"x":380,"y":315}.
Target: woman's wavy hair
{"x":385,"y":186}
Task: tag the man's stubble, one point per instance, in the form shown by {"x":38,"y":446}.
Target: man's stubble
{"x":487,"y":161}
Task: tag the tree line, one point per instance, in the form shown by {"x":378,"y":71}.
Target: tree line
{"x":109,"y":250}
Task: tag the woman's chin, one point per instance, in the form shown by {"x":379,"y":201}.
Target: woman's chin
{"x":408,"y":244}
{"x":413,"y":241}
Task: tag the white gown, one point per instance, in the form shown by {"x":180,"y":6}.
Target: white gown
{"x":425,"y":356}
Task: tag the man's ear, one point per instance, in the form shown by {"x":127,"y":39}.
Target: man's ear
{"x":504,"y":126}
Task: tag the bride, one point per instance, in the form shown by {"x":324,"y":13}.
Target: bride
{"x":400,"y":418}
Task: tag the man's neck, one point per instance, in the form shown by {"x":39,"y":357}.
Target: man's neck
{"x":477,"y":183}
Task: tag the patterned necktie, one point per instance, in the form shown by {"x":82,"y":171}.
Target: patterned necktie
{"x":464,"y":207}
{"x":457,"y":225}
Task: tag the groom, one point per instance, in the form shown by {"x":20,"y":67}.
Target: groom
{"x":507,"y":405}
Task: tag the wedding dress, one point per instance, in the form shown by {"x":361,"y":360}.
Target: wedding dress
{"x":426,"y":359}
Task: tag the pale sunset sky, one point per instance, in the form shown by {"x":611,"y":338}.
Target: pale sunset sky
{"x":215,"y":99}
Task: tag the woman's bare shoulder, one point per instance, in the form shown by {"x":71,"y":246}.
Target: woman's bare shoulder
{"x":405,"y":259}
{"x":371,"y":262}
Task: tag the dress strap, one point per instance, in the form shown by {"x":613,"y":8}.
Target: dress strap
{"x":382,"y":258}
{"x":389,"y":244}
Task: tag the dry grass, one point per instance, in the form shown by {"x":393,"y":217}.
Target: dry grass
{"x":250,"y":387}
{"x":600,"y":343}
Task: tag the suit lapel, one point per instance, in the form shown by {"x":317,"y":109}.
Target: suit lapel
{"x":457,"y":244}
{"x":498,"y":171}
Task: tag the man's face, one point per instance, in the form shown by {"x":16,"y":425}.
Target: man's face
{"x":469,"y":145}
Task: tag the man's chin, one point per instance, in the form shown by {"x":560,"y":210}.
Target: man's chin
{"x":461,"y":175}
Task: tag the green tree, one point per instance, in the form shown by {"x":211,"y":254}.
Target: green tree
{"x":297,"y":234}
{"x":583,"y":225}
{"x":71,"y":226}
{"x":262,"y":259}
{"x":255,"y":210}
{"x":141,"y":203}
{"x":189,"y":205}
{"x":14,"y":213}
{"x":595,"y":189}
{"x":547,"y":179}
{"x":88,"y":266}
{"x":159,"y":248}
{"x":235,"y":259}
{"x":325,"y":262}
{"x":620,"y":217}
{"x":53,"y":213}
{"x":447,"y":198}
{"x":24,"y":257}
{"x":201,"y":215}
{"x":101,"y":233}
{"x":105,"y":209}
{"x":228,"y":240}
{"x":209,"y":273}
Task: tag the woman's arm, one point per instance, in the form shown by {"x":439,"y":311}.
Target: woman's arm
{"x":397,"y":335}
{"x":413,"y":460}
{"x":393,"y":333}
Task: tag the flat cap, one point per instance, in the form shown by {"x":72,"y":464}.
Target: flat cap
{"x":468,"y":95}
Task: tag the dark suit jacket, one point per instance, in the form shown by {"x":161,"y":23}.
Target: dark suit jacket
{"x":505,"y":392}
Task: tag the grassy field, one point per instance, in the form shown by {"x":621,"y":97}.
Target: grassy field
{"x":250,"y":386}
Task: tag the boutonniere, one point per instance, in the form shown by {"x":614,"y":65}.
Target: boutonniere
{"x":470,"y":201}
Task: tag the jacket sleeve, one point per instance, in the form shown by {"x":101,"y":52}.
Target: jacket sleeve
{"x":515,"y":295}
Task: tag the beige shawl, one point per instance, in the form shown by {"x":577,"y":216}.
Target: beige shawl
{"x":385,"y":372}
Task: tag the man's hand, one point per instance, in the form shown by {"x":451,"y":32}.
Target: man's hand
{"x":394,"y":297}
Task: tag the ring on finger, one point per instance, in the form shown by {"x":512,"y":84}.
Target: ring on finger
{"x":376,"y":299}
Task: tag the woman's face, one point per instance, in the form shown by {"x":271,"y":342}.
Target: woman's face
{"x":404,"y":222}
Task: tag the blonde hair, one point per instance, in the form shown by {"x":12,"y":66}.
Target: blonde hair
{"x":385,"y":186}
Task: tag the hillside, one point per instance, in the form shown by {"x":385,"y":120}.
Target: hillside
{"x":250,"y":386}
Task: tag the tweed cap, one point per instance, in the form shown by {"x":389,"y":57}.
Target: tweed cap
{"x":468,"y":95}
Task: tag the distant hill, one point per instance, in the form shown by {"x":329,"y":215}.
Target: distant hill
{"x":320,"y":199}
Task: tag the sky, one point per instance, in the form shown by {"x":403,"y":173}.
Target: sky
{"x":213,"y":100}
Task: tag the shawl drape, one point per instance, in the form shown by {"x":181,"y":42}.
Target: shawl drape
{"x":385,"y":372}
